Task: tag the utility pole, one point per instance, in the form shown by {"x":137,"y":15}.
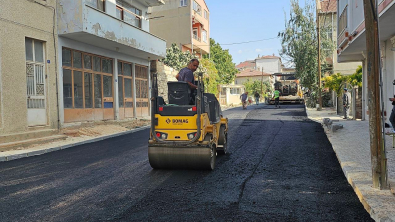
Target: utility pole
{"x":262,"y":83}
{"x":377,"y":149}
{"x":319,"y":56}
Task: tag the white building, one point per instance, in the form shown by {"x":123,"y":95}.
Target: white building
{"x":269,"y":64}
{"x":351,"y":43}
{"x":105,"y":50}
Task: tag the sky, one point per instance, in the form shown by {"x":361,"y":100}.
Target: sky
{"x":234,"y":21}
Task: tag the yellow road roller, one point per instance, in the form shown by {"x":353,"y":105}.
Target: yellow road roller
{"x":188,"y":131}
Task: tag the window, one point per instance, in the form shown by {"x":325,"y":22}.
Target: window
{"x":98,"y":4}
{"x":204,"y":36}
{"x":195,"y":34}
{"x":87,"y":80}
{"x":183,"y":3}
{"x":35,"y":73}
{"x":128,"y":13}
{"x":235,"y":91}
{"x":125,"y":81}
{"x":197,"y":8}
{"x":205,"y":14}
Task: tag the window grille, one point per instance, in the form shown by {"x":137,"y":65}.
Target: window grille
{"x":35,"y":74}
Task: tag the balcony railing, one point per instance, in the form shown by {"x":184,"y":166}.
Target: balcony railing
{"x":343,"y":21}
{"x":196,"y":37}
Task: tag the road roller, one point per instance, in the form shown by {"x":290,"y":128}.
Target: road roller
{"x":189,"y":130}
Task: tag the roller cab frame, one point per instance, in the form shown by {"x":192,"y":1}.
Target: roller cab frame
{"x":185,"y":136}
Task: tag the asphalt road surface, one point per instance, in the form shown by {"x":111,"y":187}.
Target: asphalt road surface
{"x":280,"y":167}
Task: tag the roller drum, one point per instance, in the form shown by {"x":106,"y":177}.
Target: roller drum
{"x":202,"y":158}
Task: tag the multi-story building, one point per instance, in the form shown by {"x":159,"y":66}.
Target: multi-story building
{"x":328,"y":20}
{"x":71,"y":61}
{"x":104,"y":65}
{"x":28,"y":38}
{"x":270,"y":64}
{"x":183,"y":22}
{"x":351,"y":43}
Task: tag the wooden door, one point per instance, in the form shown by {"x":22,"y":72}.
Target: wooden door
{"x":142,"y":103}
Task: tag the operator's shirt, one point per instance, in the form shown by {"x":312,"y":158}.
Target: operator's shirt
{"x":186,"y":75}
{"x":276,"y":94}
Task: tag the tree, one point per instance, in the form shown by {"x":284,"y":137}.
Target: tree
{"x":211,"y":77}
{"x":356,"y":78}
{"x":299,"y":43}
{"x":255,"y":86}
{"x":336,"y":83}
{"x":223,"y":62}
{"x":177,"y":59}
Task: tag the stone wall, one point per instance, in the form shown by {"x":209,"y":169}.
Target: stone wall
{"x":165,"y":74}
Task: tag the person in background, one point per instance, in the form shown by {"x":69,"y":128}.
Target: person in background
{"x":277,"y":98}
{"x":243,"y":98}
{"x":346,"y":103}
{"x":392,"y":116}
{"x":257,"y":96}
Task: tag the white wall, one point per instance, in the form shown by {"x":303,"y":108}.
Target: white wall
{"x":388,"y":76}
{"x":269,"y":65}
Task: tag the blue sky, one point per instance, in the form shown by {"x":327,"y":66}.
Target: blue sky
{"x":233,"y":21}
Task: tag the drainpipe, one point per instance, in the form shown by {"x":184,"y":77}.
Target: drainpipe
{"x":134,"y":90}
{"x":116,"y":90}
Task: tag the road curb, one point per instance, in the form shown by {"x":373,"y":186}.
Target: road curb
{"x":52,"y":149}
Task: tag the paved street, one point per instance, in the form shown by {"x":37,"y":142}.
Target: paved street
{"x":280,"y":167}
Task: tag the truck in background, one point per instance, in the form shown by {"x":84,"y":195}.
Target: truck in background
{"x":289,"y":87}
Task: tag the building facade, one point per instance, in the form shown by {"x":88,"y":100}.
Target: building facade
{"x":28,"y":87}
{"x":328,"y":20}
{"x":351,"y":43}
{"x":253,"y":75}
{"x":183,"y":22}
{"x":106,"y":50}
{"x":269,"y":64}
{"x":73,"y":61}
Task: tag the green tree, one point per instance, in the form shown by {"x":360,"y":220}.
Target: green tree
{"x":223,"y":62}
{"x":356,"y":78}
{"x":299,"y":43}
{"x":211,"y":77}
{"x":177,"y":59}
{"x":255,"y":86}
{"x":336,"y":82}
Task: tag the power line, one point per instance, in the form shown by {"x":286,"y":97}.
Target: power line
{"x":238,"y":43}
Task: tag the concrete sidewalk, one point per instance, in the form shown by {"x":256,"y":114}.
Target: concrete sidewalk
{"x":352,"y":147}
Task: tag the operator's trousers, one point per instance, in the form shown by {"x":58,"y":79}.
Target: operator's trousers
{"x":346,"y":111}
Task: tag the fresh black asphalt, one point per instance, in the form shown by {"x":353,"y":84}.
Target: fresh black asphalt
{"x":280,"y":167}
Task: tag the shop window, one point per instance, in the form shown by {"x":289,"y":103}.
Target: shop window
{"x":87,"y":80}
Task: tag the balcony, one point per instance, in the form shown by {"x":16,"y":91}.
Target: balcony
{"x":84,"y":23}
